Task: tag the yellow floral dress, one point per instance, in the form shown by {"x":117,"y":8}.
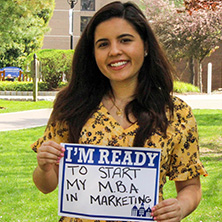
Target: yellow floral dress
{"x":180,"y":150}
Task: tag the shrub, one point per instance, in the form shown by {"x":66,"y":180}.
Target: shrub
{"x":182,"y":87}
{"x":25,"y":86}
{"x":54,"y":63}
{"x":179,"y":87}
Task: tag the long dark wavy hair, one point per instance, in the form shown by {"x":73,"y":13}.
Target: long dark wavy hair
{"x":80,"y":99}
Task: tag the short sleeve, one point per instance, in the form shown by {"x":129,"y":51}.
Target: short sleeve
{"x":54,"y":132}
{"x":185,"y":160}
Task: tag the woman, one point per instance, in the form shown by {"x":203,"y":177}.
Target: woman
{"x":120,"y":95}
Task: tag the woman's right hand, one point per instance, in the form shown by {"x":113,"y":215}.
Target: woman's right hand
{"x":49,"y":154}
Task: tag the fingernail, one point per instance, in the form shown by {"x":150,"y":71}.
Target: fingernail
{"x":61,"y":154}
{"x":63,"y":149}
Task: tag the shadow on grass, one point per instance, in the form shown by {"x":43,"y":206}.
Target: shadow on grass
{"x":213,"y":118}
{"x":211,"y":148}
{"x":212,"y":159}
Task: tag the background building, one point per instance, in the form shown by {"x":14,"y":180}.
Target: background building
{"x":59,"y":38}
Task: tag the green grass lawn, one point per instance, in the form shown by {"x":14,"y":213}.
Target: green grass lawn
{"x":19,"y":198}
{"x":21,"y":201}
{"x":210,"y":130}
{"x":15,"y":106}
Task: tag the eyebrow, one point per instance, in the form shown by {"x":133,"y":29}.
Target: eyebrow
{"x":119,"y":37}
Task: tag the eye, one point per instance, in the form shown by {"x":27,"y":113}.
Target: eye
{"x":102,"y":44}
{"x":125,"y":40}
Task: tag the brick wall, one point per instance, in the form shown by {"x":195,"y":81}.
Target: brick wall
{"x":215,"y":59}
{"x":58,"y":37}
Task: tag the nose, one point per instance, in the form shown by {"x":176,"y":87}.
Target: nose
{"x":115,"y":49}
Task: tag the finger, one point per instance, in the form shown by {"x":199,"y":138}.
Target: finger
{"x":164,"y":204}
{"x":161,"y":208}
{"x":54,"y":145}
{"x":170,"y":216}
{"x":167,"y":210}
{"x":50,"y":154}
{"x":168,"y":220}
{"x":49,"y":150}
{"x":51,"y":147}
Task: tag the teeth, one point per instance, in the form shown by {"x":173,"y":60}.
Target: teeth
{"x":118,"y":64}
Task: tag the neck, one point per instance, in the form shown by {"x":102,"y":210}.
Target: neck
{"x":117,"y":100}
{"x":123,"y":92}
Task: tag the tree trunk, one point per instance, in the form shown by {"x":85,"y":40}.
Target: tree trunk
{"x":192,"y":70}
{"x":200,"y":76}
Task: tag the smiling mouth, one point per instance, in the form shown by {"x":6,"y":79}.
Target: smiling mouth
{"x":119,"y":64}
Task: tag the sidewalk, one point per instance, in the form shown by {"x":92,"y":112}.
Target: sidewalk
{"x":27,"y":96}
{"x":24,"y":119}
{"x":203,"y":101}
{"x":36,"y":118}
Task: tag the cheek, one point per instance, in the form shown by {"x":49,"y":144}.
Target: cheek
{"x":137,"y":54}
{"x":100,"y":61}
{"x":139,"y":59}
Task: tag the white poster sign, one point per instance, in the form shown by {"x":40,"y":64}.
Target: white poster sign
{"x":108,"y":183}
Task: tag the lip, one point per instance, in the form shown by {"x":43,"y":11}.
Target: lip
{"x":118,"y":64}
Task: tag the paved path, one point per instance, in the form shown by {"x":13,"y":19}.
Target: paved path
{"x":24,"y":119}
{"x":203,"y":101}
{"x":35,"y":118}
{"x":27,"y":98}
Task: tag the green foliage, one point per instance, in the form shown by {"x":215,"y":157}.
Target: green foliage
{"x":179,"y":87}
{"x":54,"y":63}
{"x":25,"y":86}
{"x":185,"y":34}
{"x":182,"y":87}
{"x":23,"y":24}
{"x":16,"y":86}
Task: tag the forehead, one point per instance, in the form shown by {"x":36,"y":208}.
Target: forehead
{"x":114,"y":27}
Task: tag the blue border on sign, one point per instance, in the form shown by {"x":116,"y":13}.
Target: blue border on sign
{"x":109,"y":217}
{"x":86,"y":146}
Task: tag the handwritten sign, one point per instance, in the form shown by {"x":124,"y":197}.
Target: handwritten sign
{"x":108,"y":183}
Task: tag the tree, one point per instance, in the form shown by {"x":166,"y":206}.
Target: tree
{"x":194,"y":5}
{"x":23,"y":24}
{"x":191,"y":31}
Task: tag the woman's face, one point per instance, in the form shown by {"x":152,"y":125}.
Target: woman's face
{"x":119,"y":50}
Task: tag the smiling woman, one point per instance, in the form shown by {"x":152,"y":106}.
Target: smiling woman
{"x":120,"y":94}
{"x":119,"y":54}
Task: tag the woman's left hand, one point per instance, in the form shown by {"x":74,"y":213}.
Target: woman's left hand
{"x":174,"y":210}
{"x":167,"y":211}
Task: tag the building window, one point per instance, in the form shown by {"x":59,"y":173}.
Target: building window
{"x":84,"y":21}
{"x":87,"y":5}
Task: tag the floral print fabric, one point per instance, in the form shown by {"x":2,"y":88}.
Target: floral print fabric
{"x":180,"y":150}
